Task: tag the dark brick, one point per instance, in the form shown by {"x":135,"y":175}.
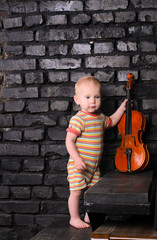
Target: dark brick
{"x":111,"y":61}
{"x":4,"y":192}
{"x":33,"y":165}
{"x":54,"y":207}
{"x":34,"y":134}
{"x":56,"y":20}
{"x":14,"y":106}
{"x":20,"y":92}
{"x":57,"y":91}
{"x":106,"y":47}
{"x":6,"y":121}
{"x":4,"y":7}
{"x":56,"y":179}
{"x":149,"y":104}
{"x":13,"y":79}
{"x":59,"y":165}
{"x":20,"y":64}
{"x":60,"y":6}
{"x":140,"y":31}
{"x":147,"y":75}
{"x":13,"y":50}
{"x":62,"y":192}
{"x":81,"y":18}
{"x":11,"y":164}
{"x":57,"y":77}
{"x":57,"y":133}
{"x":23,"y":7}
{"x":19,"y":206}
{"x":129,"y":16}
{"x":79,"y":48}
{"x":52,"y":148}
{"x":38,"y":106}
{"x":12,"y":149}
{"x":42,"y":192}
{"x":13,"y":22}
{"x":5,"y":220}
{"x":56,"y":35}
{"x":24,"y":219}
{"x":144,"y":4}
{"x":59,"y":105}
{"x":12,"y":135}
{"x":104,"y":76}
{"x":22,"y":179}
{"x":16,"y":36}
{"x":103,"y":17}
{"x":20,"y":192}
{"x":34,"y":77}
{"x":33,"y":20}
{"x":35,"y":50}
{"x":64,"y":63}
{"x":154,"y":119}
{"x":126,"y":46}
{"x":106,"y":4}
{"x":147,"y":46}
{"x":99,"y":33}
{"x":7,"y":233}
{"x":58,"y":49}
{"x":35,"y":120}
{"x":152,"y":136}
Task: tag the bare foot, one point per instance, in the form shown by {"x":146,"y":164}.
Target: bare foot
{"x":78,"y":223}
{"x":86,"y":218}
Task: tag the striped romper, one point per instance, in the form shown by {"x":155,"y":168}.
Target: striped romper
{"x":89,"y":129}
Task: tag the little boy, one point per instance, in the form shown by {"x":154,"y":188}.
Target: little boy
{"x":84,"y":142}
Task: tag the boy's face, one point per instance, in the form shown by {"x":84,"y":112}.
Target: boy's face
{"x":89,"y":97}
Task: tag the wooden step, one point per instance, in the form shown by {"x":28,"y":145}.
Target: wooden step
{"x":63,"y":231}
{"x":134,"y":228}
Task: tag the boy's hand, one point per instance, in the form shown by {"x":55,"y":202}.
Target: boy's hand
{"x":123,"y":105}
{"x":80,"y":164}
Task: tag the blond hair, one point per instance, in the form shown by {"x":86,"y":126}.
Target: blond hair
{"x":86,"y":79}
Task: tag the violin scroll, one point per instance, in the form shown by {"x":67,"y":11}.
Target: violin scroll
{"x":130,"y":78}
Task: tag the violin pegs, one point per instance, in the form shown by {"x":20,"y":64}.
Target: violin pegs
{"x":130,"y":76}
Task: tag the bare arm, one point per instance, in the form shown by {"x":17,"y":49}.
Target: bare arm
{"x":115,"y":117}
{"x":71,"y":147}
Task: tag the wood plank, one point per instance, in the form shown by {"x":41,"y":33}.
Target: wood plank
{"x":134,"y":228}
{"x":117,"y":188}
{"x":62,"y":230}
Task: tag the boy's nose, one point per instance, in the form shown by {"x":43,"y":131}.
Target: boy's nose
{"x":93,"y":100}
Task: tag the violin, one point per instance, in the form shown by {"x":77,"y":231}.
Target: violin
{"x":133,"y":154}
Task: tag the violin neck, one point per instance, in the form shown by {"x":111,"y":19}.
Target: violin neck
{"x":128,"y":124}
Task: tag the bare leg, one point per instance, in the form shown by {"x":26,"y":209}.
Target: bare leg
{"x":86,"y":218}
{"x":73,"y":203}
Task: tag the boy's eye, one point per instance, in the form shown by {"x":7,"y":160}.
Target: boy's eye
{"x":87,"y":97}
{"x":97,"y":97}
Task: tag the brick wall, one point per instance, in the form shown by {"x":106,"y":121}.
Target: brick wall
{"x":45,"y":47}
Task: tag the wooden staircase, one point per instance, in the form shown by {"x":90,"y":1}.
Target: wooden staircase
{"x":134,"y":228}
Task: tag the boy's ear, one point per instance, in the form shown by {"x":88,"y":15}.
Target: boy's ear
{"x":76,"y":99}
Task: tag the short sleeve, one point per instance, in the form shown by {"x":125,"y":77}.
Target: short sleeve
{"x":76,"y":125}
{"x":107,"y":122}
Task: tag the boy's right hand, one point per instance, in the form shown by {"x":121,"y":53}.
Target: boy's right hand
{"x":80,"y":164}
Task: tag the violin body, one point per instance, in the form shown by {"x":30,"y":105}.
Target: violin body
{"x":132,"y":155}
{"x":140,"y":155}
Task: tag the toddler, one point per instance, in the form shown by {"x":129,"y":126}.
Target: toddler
{"x":84,"y":142}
